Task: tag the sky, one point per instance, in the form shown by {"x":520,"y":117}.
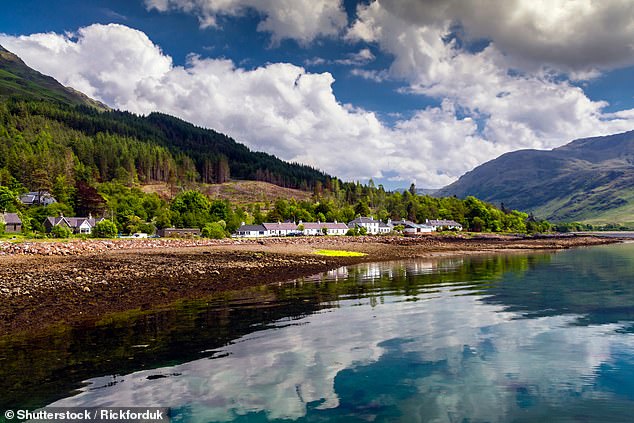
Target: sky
{"x":399,"y":91}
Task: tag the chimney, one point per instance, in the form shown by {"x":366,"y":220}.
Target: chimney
{"x":89,"y":215}
{"x":242,"y":223}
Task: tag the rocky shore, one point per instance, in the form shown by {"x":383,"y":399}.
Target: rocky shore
{"x":45,"y":283}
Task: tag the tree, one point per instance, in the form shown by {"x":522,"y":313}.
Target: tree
{"x":105,"y":229}
{"x":8,"y":200}
{"x":60,"y":231}
{"x":214,"y":230}
{"x":361,"y":209}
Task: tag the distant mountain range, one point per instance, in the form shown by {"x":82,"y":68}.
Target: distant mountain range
{"x":589,"y":180}
{"x":53,"y":130}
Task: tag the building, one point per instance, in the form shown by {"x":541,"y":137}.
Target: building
{"x":178,"y":232}
{"x":251,"y":231}
{"x":12,"y":222}
{"x":290,"y":229}
{"x":78,"y":225}
{"x":411,"y":228}
{"x":37,"y":198}
{"x":386,"y":228}
{"x":371,"y":225}
{"x":330,"y":228}
{"x":279,"y":228}
{"x":440,"y":225}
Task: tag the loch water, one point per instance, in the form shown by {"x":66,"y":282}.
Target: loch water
{"x":501,"y":338}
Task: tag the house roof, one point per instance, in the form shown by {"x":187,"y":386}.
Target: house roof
{"x":73,"y":222}
{"x":280,"y":226}
{"x":251,"y":228}
{"x":442,"y":222}
{"x":35,"y":196}
{"x":406,"y":223}
{"x":363,"y":220}
{"x":12,"y":219}
{"x":329,"y":225}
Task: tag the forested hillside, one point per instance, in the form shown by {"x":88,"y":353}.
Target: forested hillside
{"x":94,"y":160}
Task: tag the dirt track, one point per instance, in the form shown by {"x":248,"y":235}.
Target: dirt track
{"x":38,"y":289}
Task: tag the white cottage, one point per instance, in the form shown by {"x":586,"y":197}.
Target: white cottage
{"x":371,"y":225}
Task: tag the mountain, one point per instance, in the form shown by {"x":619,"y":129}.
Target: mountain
{"x":48,"y":130}
{"x":589,"y":180}
{"x":17,"y":80}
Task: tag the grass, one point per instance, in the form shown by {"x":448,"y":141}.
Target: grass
{"x":339,"y":253}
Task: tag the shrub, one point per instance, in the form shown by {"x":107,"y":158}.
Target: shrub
{"x":105,"y":229}
{"x":213,"y":230}
{"x":61,"y":232}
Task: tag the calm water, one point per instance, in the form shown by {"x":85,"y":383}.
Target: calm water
{"x":547,"y":337}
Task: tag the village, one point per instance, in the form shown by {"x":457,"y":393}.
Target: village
{"x":361,"y":225}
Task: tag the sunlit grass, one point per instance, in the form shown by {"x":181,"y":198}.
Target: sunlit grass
{"x":339,"y":253}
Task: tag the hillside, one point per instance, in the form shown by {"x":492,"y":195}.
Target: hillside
{"x":17,"y":80}
{"x":590,"y":180}
{"x":51,"y":130}
{"x":238,"y":192}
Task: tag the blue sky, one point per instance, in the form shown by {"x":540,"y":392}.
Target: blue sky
{"x":394,"y":90}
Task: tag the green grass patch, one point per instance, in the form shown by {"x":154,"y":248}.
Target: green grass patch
{"x":339,"y":253}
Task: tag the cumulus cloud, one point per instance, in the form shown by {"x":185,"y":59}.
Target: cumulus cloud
{"x":279,"y":108}
{"x":283,"y":109}
{"x":570,"y":35}
{"x":519,"y":107}
{"x":301,"y":20}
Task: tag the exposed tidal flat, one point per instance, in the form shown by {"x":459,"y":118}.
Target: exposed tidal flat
{"x":43,"y":284}
{"x":534,"y":335}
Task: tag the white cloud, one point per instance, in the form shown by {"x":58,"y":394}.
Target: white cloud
{"x":518,"y":108}
{"x":285,"y":110}
{"x":279,"y":108}
{"x":570,"y":35}
{"x":362,"y":57}
{"x":301,"y":20}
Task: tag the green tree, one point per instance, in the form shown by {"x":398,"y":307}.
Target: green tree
{"x":60,"y":231}
{"x":214,"y":230}
{"x":105,"y":229}
{"x":8,"y":200}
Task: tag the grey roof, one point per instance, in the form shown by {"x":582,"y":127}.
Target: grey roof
{"x":251,"y":228}
{"x":406,"y":223}
{"x":442,"y":222}
{"x":37,"y":197}
{"x":74,"y":222}
{"x":12,"y":219}
{"x":280,"y":226}
{"x":363,"y":220}
{"x":329,"y":225}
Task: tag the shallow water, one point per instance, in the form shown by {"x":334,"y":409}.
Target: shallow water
{"x":542,"y":337}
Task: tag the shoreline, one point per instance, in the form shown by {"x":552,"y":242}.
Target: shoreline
{"x":84,"y":281}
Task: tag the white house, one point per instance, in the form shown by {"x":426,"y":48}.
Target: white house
{"x":289,"y":229}
{"x":280,"y":228}
{"x":37,"y":198}
{"x":332,"y":228}
{"x":79,"y":225}
{"x":386,"y":228}
{"x":371,"y":225}
{"x":412,"y":228}
{"x":251,"y":231}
